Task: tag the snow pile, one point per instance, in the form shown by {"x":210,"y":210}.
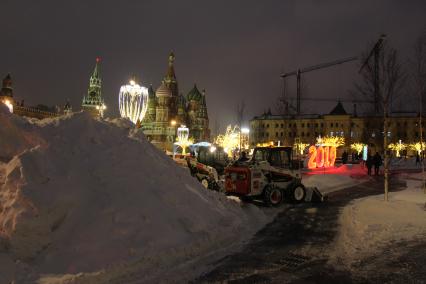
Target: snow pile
{"x":329,"y":182}
{"x":91,"y":199}
{"x":370,"y":223}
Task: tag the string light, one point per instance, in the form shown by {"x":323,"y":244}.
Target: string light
{"x":230,"y":140}
{"x":133,"y":101}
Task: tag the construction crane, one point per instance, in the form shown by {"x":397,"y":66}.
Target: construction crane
{"x":376,"y":53}
{"x":299,"y":72}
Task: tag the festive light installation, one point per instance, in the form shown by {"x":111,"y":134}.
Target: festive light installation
{"x":300,"y":147}
{"x":133,"y":101}
{"x":183,"y":139}
{"x":358,"y":147}
{"x":324,"y":153}
{"x":397,"y":147}
{"x":230,"y":140}
{"x":418,"y":147}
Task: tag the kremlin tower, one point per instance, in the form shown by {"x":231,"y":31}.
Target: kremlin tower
{"x":93,"y":102}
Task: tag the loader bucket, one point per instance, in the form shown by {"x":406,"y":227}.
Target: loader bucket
{"x":314,"y":195}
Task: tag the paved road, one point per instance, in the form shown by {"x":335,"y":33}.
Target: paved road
{"x":292,"y":249}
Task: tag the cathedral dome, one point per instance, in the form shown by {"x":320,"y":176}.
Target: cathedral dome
{"x":194,"y":94}
{"x":163,"y":91}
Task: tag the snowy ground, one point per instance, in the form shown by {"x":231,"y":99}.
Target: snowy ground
{"x":368,"y":225}
{"x":334,"y":179}
{"x":82,"y":201}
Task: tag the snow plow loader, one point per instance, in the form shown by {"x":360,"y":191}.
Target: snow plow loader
{"x":270,"y":176}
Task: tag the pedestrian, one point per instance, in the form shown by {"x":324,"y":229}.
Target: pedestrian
{"x":369,"y":164}
{"x":345,"y":157}
{"x":417,"y":159}
{"x":377,"y":163}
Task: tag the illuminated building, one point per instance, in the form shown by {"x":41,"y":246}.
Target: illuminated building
{"x":6,"y":93}
{"x":93,"y":103}
{"x":168,"y":109}
{"x":367,"y":130}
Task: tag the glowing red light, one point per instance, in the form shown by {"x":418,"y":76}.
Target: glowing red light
{"x":98,"y":59}
{"x":322,"y":156}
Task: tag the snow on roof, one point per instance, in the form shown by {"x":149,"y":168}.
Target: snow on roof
{"x":80,"y":195}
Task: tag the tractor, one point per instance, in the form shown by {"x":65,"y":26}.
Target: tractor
{"x":270,"y":175}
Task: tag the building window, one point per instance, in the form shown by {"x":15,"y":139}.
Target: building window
{"x":307,"y":134}
{"x":282,"y":125}
{"x":331,"y":124}
{"x":307,"y":125}
{"x":276,"y":134}
{"x":289,"y":134}
{"x":267,"y":125}
{"x":352,"y":134}
{"x":322,"y":124}
{"x":389,"y":134}
{"x":373,"y":134}
{"x":316,"y":125}
{"x":276,"y":125}
{"x":331,"y":133}
{"x":303,"y":125}
{"x":303,"y":134}
{"x":341,"y":133}
{"x":282,"y":134}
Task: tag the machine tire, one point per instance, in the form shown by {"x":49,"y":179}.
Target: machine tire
{"x":273,"y":196}
{"x":205,"y":183}
{"x":298,"y":194}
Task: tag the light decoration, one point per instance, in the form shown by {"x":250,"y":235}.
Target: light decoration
{"x":397,"y":147}
{"x":300,"y":147}
{"x":230,"y":140}
{"x":265,"y":144}
{"x":323,"y":154}
{"x":358,"y":147}
{"x":418,"y":147}
{"x":8,"y":104}
{"x":133,"y":101}
{"x":183,"y":139}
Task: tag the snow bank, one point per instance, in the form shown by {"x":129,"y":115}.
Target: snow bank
{"x":81,"y":196}
{"x":329,"y":182}
{"x":369,"y":224}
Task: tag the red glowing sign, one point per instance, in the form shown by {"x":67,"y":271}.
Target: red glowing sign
{"x":322,"y":156}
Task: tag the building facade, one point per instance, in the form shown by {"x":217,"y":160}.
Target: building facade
{"x":285,"y":130}
{"x":168,"y":110}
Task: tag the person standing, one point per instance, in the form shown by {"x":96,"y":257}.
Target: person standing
{"x":345,"y":157}
{"x":417,"y":159}
{"x":377,"y":163}
{"x":369,"y":164}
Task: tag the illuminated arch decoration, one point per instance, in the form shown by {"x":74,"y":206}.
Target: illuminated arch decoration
{"x":183,"y":139}
{"x":323,"y":154}
{"x":133,"y":102}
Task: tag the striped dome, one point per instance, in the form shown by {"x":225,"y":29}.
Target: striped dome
{"x":163,"y":91}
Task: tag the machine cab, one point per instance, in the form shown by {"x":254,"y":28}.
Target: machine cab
{"x":277,"y":157}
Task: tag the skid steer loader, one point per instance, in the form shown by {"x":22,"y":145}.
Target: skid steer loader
{"x":270,"y":175}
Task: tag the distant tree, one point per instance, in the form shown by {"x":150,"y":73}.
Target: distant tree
{"x":391,"y":80}
{"x":240,"y":110}
{"x":418,"y":76}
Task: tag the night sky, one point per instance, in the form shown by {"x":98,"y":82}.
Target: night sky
{"x":234,"y":49}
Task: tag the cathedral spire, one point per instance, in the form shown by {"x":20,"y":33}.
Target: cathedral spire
{"x":170,"y":78}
